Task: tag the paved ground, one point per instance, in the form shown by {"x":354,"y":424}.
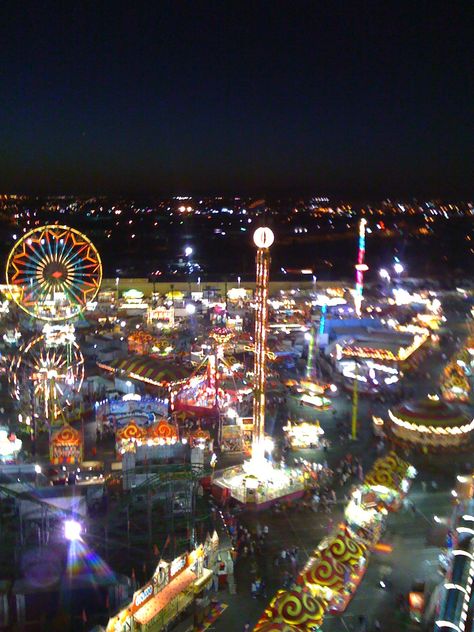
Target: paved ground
{"x":414,"y":536}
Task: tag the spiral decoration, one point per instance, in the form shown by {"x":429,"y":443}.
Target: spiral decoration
{"x":201,"y":434}
{"x":296,"y":608}
{"x":67,"y":435}
{"x":382,"y":477}
{"x":345,"y":549}
{"x":395,"y":463}
{"x":163,"y":430}
{"x":323,"y":570}
{"x":131,"y":431}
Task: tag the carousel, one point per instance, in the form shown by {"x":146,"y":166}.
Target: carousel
{"x":430,"y":424}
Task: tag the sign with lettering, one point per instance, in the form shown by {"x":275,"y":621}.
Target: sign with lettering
{"x":178,"y":565}
{"x":144,"y":595}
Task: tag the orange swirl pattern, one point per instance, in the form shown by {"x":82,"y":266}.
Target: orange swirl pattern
{"x":200,"y":434}
{"x":67,"y":436}
{"x":346,"y":550}
{"x":297,"y":608}
{"x":131,"y":431}
{"x":323,"y":570}
{"x":163,"y":430}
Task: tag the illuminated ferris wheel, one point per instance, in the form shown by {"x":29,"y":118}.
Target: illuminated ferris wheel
{"x":53,"y":272}
{"x":48,"y":372}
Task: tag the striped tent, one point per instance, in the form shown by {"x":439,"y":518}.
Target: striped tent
{"x":155,"y":371}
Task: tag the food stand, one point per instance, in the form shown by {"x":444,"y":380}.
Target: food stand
{"x":65,"y":447}
{"x":303,"y":435}
{"x":175,"y":587}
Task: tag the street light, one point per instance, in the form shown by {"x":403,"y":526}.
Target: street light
{"x":398,"y":267}
{"x":188,"y":251}
{"x":384,"y":274}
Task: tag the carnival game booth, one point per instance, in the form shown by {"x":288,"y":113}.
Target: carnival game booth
{"x":199,"y":438}
{"x":303,"y":435}
{"x":335,"y":570}
{"x":291,"y":610}
{"x":146,"y":442}
{"x":365,"y":517}
{"x":176,"y":587}
{"x":65,"y":446}
{"x":387,"y":483}
{"x":430,"y":424}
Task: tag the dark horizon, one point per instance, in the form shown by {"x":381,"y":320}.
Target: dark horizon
{"x":357,"y":100}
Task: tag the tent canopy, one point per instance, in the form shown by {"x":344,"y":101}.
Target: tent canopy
{"x":157,"y":371}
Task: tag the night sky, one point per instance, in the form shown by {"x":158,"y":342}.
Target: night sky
{"x":336,"y":97}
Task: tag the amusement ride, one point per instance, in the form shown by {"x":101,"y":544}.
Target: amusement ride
{"x":53,"y":272}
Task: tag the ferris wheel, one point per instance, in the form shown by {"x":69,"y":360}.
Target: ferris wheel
{"x":53,"y":272}
{"x":48,"y":372}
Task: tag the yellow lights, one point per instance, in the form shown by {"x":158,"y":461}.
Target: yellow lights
{"x":437,"y":430}
{"x":263,"y":237}
{"x":387,"y":355}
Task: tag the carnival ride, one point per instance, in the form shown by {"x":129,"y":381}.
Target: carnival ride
{"x":203,"y":393}
{"x":256,"y":483}
{"x":47,"y":373}
{"x":52,"y":272}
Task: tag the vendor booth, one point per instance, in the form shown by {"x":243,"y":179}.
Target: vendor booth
{"x":177,"y":587}
{"x":65,"y":446}
{"x":303,"y":435}
{"x":388,"y":481}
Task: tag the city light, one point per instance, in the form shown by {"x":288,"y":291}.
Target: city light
{"x":190,"y":309}
{"x":398,"y":267}
{"x":188,"y":251}
{"x":384,"y":274}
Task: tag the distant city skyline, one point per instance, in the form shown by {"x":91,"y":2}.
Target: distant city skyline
{"x":362,"y":100}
